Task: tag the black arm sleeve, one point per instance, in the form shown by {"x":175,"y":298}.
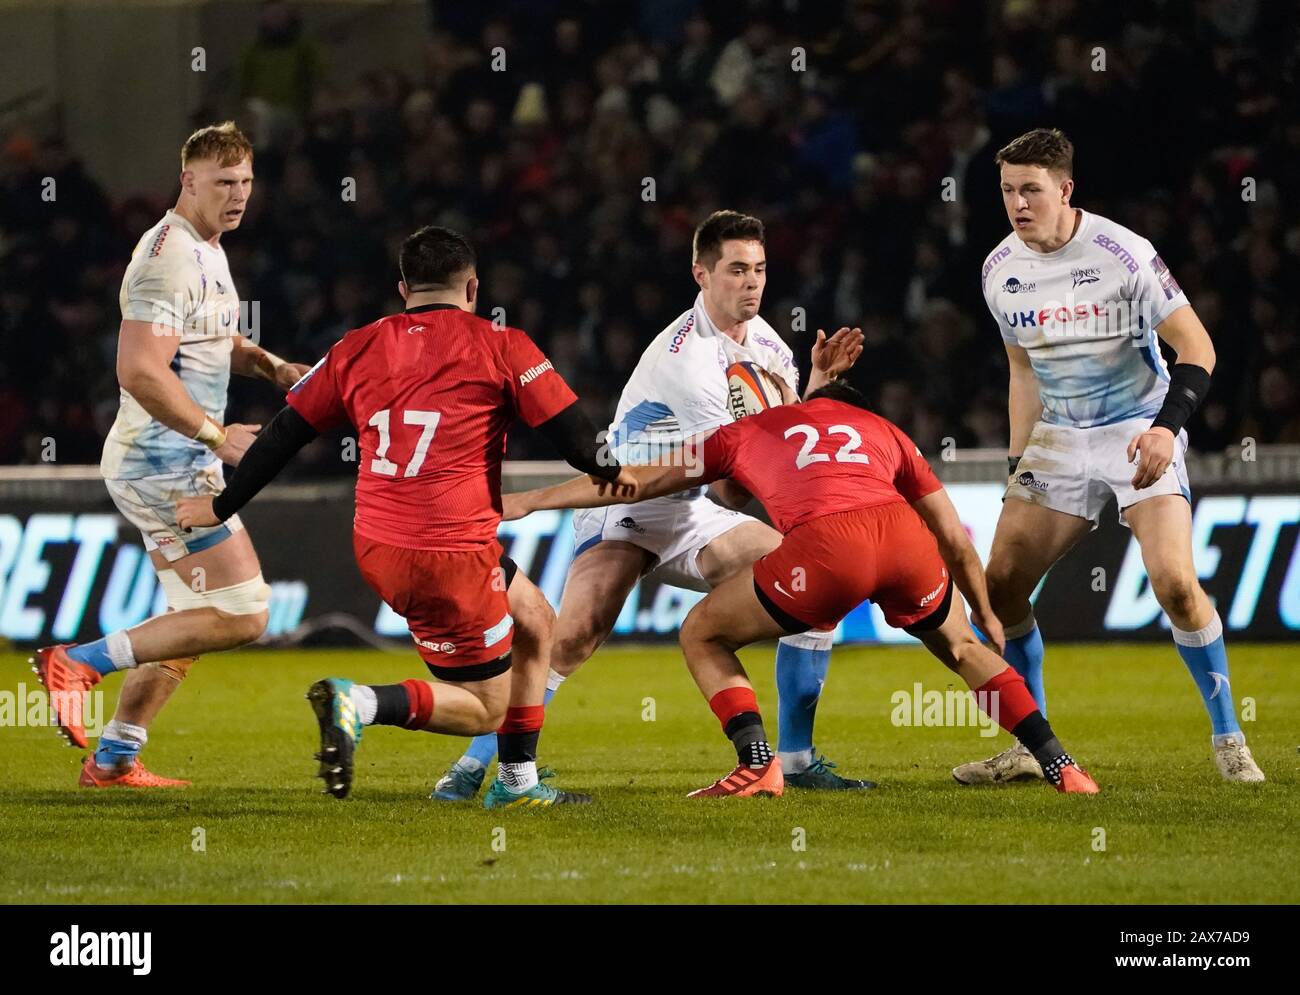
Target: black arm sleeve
{"x":1188,"y":385}
{"x":574,"y":437}
{"x":276,"y":444}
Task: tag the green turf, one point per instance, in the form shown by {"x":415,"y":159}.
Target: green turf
{"x":242,"y":731}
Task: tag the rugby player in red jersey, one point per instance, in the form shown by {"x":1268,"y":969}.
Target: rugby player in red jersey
{"x":863,"y":517}
{"x":431,"y":392}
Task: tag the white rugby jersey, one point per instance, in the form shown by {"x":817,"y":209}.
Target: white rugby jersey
{"x":175,"y":280}
{"x":1087,"y":315}
{"x":679,"y":386}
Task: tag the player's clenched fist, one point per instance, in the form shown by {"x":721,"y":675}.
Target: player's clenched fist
{"x":238,"y":439}
{"x":195,"y":513}
{"x":1156,"y":449}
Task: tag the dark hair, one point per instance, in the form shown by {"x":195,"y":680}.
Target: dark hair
{"x":1046,"y":147}
{"x":719,"y":227}
{"x":840,"y":390}
{"x":432,"y":256}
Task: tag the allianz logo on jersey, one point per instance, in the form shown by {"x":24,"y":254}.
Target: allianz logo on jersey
{"x":1086,"y":319}
{"x":533,"y":372}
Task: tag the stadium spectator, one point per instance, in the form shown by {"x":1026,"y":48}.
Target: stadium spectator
{"x":545,"y":166}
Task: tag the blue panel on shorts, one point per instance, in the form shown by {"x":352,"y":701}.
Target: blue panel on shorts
{"x":220,"y":534}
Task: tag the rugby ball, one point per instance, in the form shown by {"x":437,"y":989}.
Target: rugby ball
{"x":750,"y":389}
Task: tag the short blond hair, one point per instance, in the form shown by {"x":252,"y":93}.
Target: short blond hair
{"x":223,"y":142}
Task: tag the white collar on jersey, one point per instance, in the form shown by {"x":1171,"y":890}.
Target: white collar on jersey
{"x":704,"y":324}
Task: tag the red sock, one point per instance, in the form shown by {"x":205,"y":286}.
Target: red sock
{"x":1014,"y":702}
{"x":420,"y":695}
{"x":523,"y":718}
{"x":730,"y":702}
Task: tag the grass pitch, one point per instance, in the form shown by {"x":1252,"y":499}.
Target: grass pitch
{"x":1172,"y":831}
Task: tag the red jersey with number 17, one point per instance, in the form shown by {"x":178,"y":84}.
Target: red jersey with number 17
{"x":803,"y":461}
{"x":431,"y":392}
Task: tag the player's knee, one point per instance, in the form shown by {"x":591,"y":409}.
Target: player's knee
{"x":574,"y":643}
{"x":535,"y":620}
{"x":699,"y":626}
{"x":1007,"y":594}
{"x":1176,"y":592}
{"x":240,"y":629}
{"x":494,"y":713}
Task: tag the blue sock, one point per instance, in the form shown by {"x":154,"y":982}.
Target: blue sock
{"x":94,"y":654}
{"x":116,"y":752}
{"x":800,"y":673}
{"x":484,"y":748}
{"x":1025,"y":654}
{"x":1207,"y":658}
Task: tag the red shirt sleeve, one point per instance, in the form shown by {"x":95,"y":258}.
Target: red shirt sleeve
{"x":717,"y":455}
{"x":317,"y":396}
{"x":913,"y":478}
{"x":539,"y":392}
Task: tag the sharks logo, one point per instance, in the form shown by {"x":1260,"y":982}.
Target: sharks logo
{"x":1220,"y":682}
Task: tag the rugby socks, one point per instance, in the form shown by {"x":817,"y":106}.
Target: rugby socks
{"x":120,"y":744}
{"x":801,"y":664}
{"x":1207,"y":659}
{"x":409,"y":704}
{"x":366,"y":702}
{"x":1025,"y":653}
{"x":737,"y":711}
{"x":517,"y":739}
{"x":1006,"y":699}
{"x":483,"y":748}
{"x":106,"y":655}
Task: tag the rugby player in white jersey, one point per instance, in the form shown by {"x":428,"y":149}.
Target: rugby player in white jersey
{"x":1095,"y":411}
{"x":178,"y":343}
{"x":679,"y":390}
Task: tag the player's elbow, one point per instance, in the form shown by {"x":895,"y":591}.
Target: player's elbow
{"x":1209,"y":355}
{"x":136,"y":378}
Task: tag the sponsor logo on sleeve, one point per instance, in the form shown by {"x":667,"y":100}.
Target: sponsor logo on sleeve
{"x":156,"y":247}
{"x":1167,"y":282}
{"x":679,"y":336}
{"x":533,"y":372}
{"x":993,"y":260}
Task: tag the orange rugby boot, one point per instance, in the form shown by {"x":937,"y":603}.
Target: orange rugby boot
{"x":67,"y":682}
{"x":745,"y":781}
{"x":1076,"y":781}
{"x":134,"y":776}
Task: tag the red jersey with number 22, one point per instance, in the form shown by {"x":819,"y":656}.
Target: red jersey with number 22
{"x":431,"y":392}
{"x":803,"y":461}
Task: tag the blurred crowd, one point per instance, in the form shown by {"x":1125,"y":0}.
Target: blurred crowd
{"x":862,"y":132}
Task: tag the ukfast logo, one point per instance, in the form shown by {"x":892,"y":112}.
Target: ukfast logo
{"x":102,"y":949}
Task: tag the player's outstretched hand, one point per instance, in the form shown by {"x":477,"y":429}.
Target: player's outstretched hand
{"x":289,"y":374}
{"x":1153,"y":451}
{"x":195,"y":513}
{"x":837,"y":354}
{"x":988,"y":624}
{"x":238,"y":439}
